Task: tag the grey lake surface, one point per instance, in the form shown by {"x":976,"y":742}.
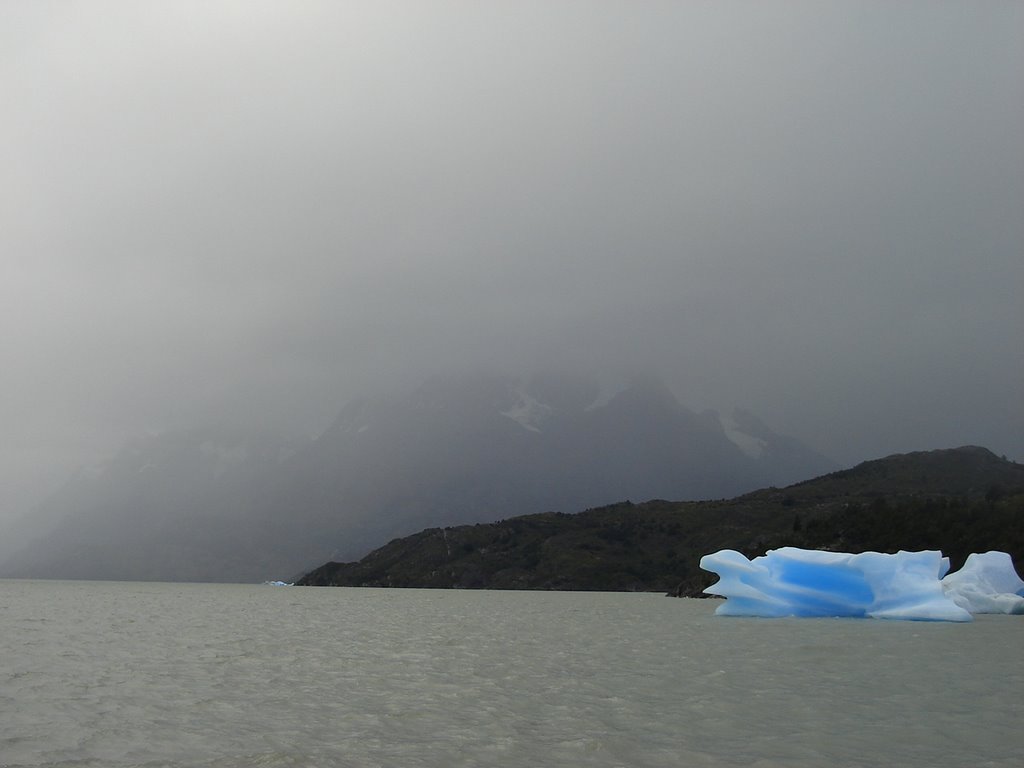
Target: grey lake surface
{"x":131,"y":674}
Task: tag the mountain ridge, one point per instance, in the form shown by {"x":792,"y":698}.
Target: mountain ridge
{"x":962,"y":500}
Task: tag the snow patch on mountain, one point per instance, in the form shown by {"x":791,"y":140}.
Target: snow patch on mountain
{"x":528,"y":412}
{"x":753,"y":447}
{"x":609,"y":388}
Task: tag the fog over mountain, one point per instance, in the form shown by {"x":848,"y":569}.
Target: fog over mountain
{"x":221,"y":505}
{"x":245,"y":217}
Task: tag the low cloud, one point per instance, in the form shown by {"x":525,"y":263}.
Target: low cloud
{"x":252,"y":214}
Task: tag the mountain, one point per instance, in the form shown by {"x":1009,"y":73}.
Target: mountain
{"x":177,"y":506}
{"x":217,"y":505}
{"x":958,"y":501}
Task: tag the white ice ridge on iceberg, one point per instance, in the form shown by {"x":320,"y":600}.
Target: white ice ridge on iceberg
{"x":986,"y":584}
{"x":800,"y":582}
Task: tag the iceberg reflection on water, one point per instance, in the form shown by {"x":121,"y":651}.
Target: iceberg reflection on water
{"x":907,"y":585}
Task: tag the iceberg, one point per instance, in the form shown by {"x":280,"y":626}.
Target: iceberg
{"x":809,"y":583}
{"x":986,"y":584}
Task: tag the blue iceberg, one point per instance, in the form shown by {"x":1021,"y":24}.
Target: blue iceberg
{"x":800,"y":582}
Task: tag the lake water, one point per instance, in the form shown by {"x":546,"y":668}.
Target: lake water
{"x":126,"y":674}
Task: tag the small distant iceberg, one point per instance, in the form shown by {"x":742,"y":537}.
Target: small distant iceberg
{"x":907,"y":585}
{"x":278,"y":584}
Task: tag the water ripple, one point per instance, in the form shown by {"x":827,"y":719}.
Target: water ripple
{"x":228,"y":676}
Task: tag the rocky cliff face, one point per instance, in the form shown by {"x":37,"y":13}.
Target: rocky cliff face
{"x":211,"y":506}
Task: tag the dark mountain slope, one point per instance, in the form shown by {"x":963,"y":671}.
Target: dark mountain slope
{"x":966,"y":471}
{"x":960,"y":501}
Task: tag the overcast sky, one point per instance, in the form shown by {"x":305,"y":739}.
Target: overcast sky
{"x":252,"y":211}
